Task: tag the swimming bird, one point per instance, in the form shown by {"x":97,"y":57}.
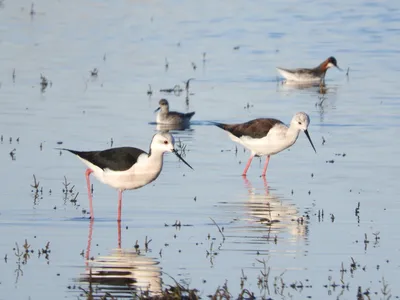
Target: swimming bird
{"x":266,"y":137}
{"x":126,"y":168}
{"x":171,"y":117}
{"x":316,"y":74}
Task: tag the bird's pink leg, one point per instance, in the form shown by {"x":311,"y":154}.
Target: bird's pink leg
{"x":89,"y":242}
{"x":248,"y":165}
{"x":265,"y":166}
{"x":119,"y":217}
{"x":248,"y":185}
{"x":266,"y":186}
{"x":119,"y":205}
{"x":87,"y":174}
{"x":119,"y":234}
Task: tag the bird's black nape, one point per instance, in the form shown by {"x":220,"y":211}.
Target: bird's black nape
{"x":333,"y":61}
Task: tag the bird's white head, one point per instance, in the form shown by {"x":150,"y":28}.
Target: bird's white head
{"x":300,"y":121}
{"x":165,"y":142}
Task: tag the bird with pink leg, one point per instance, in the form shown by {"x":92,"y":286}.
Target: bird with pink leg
{"x":126,"y":168}
{"x":266,"y":136}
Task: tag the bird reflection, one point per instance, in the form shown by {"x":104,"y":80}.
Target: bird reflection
{"x":323,"y":103}
{"x":273,"y":213}
{"x":121,"y":274}
{"x":318,"y":87}
{"x":168,"y":127}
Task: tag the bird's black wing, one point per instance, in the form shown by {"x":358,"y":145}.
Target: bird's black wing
{"x":257,"y":128}
{"x":115,"y":159}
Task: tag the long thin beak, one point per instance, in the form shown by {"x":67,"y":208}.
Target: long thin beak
{"x":157,"y":109}
{"x":339,"y":68}
{"x":180,"y":157}
{"x":308,"y":136}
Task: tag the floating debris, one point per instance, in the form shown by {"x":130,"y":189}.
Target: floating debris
{"x":340,"y":154}
{"x":32,"y":12}
{"x":149,"y":91}
{"x":12,"y":154}
{"x":176,"y":90}
{"x":94,"y":72}
{"x":166,"y":64}
{"x":44,"y":82}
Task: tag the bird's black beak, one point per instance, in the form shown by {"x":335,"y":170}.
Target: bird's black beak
{"x":308,"y":136}
{"x":180,"y":157}
{"x":157,"y":109}
{"x":340,"y":69}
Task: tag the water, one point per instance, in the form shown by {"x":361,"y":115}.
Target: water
{"x":129,"y":43}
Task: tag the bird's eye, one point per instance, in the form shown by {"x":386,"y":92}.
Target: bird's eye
{"x":299,"y":123}
{"x":165,"y":142}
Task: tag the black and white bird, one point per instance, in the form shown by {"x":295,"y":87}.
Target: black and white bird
{"x":266,"y":137}
{"x":126,"y":168}
{"x":167,"y":117}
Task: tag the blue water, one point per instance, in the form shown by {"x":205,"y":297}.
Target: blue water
{"x":243,"y":42}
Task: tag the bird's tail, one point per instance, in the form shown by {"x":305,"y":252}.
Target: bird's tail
{"x":69,"y":150}
{"x":220,"y":125}
{"x":191,"y":114}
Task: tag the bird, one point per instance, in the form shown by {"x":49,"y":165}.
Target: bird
{"x":316,"y":74}
{"x":167,"y":117}
{"x":126,"y":168}
{"x":267,"y":136}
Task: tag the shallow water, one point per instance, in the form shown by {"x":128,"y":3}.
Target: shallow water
{"x":311,"y":201}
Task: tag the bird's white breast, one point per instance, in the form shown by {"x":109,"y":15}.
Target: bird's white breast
{"x":299,"y":77}
{"x":159,"y":119}
{"x":275,"y":141}
{"x":144,"y":171}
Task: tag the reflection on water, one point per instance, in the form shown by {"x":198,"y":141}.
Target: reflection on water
{"x":324,"y":102}
{"x":273,"y":212}
{"x":173,"y":127}
{"x":121,"y":274}
{"x":266,"y":216}
{"x":309,"y":88}
{"x":302,"y":85}
{"x":168,"y":127}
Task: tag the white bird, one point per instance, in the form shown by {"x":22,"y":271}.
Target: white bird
{"x":266,"y":137}
{"x":126,"y":168}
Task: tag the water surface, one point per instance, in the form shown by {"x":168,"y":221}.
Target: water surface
{"x":322,"y":224}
